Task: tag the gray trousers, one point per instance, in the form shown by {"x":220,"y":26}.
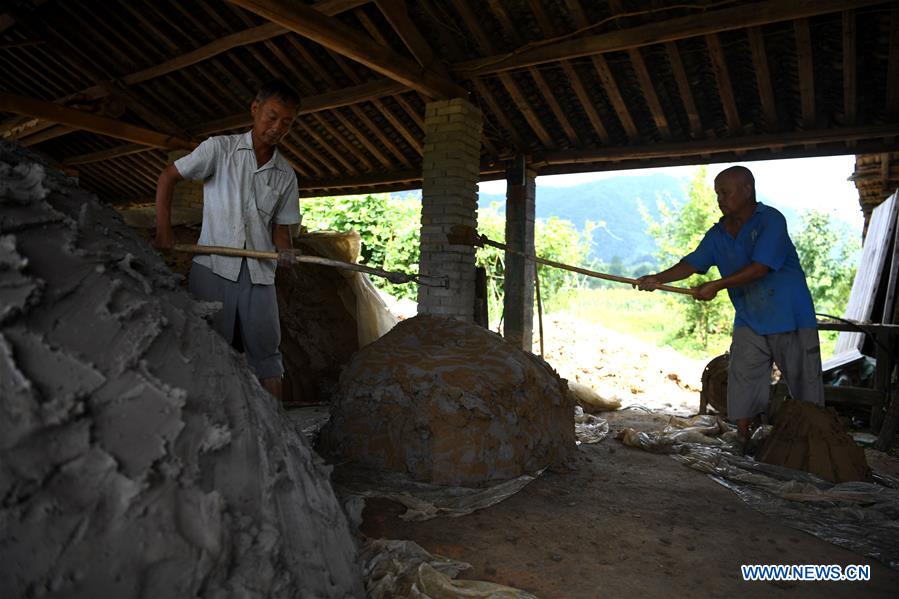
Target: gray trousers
{"x":797,"y":355}
{"x":253,"y":307}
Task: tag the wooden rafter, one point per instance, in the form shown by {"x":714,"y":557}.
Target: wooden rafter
{"x":46,"y":135}
{"x":605,"y":76}
{"x":892,"y":105}
{"x":549,"y":96}
{"x":326,"y":146}
{"x":722,"y":78}
{"x":395,"y":13}
{"x":683,"y":88}
{"x":763,"y":77}
{"x":649,"y":92}
{"x":89,"y":122}
{"x":108,"y":154}
{"x":729,"y":145}
{"x":8,"y":19}
{"x":336,"y":36}
{"x":327,"y":101}
{"x":336,"y":134}
{"x":486,"y":95}
{"x":806,"y":72}
{"x":514,"y":90}
{"x":669,"y":30}
{"x":850,"y":68}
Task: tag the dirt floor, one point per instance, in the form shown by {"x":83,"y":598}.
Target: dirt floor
{"x":627,"y":523}
{"x":623,"y":522}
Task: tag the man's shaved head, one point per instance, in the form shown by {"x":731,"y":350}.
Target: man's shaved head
{"x":741,"y":175}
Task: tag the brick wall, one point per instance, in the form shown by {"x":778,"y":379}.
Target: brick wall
{"x":450,"y":173}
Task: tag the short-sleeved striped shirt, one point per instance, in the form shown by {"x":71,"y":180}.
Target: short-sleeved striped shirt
{"x":241,"y":202}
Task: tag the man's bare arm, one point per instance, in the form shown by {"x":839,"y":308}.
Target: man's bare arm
{"x":165,"y":189}
{"x":744,"y":276}
{"x":679,"y":271}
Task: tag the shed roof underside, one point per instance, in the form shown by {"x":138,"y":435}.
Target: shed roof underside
{"x":575,"y":85}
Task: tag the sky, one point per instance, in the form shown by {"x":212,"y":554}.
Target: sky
{"x":801,"y":183}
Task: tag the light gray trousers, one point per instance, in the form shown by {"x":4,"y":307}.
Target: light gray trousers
{"x":797,"y":355}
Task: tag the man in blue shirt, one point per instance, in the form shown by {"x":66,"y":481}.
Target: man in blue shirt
{"x":775,"y":319}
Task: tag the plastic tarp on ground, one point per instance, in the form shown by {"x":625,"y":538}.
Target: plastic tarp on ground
{"x":860,"y":516}
{"x":403,"y":570}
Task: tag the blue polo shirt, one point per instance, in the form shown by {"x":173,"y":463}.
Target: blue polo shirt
{"x":780,"y":301}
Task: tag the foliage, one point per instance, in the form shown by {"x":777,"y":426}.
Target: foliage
{"x":554,"y":239}
{"x":677,"y":234}
{"x":389,"y":228}
{"x":826,"y":253}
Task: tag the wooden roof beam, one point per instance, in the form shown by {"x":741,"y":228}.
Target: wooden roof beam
{"x":605,"y":76}
{"x":806,"y":72}
{"x":108,"y":154}
{"x":310,"y":104}
{"x":669,"y":30}
{"x":717,"y":146}
{"x":512,"y":87}
{"x":763,"y":77}
{"x":683,"y":88}
{"x":850,"y":69}
{"x":649,"y":92}
{"x":396,"y":14}
{"x":722,"y":78}
{"x":574,"y":79}
{"x":333,"y":34}
{"x":90,"y":122}
{"x":486,"y":95}
{"x":549,"y":97}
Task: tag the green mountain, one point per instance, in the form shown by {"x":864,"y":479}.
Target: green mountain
{"x":620,"y":241}
{"x":614,"y":204}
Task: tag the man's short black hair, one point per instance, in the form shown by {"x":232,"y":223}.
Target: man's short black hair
{"x":280,"y":90}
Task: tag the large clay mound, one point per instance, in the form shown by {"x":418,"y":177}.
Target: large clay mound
{"x":318,"y":333}
{"x":811,"y":438}
{"x":139,"y":457}
{"x":450,"y":402}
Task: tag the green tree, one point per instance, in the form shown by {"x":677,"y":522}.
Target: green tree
{"x":677,"y":233}
{"x":554,"y":239}
{"x":388,"y":226}
{"x":826,"y":253}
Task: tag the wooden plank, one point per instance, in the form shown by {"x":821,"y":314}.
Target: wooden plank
{"x":649,"y":92}
{"x":46,"y":135}
{"x":333,"y":34}
{"x":714,"y":146}
{"x":669,"y":30}
{"x":722,"y":78}
{"x":806,"y":72}
{"x":486,"y":95}
{"x":683,"y":88}
{"x":892,"y":262}
{"x":396,"y":14}
{"x":109,"y":154}
{"x":327,"y":101}
{"x":881,"y":229}
{"x":499,"y":10}
{"x":850,"y":70}
{"x":521,"y":102}
{"x":763,"y":78}
{"x":90,"y":122}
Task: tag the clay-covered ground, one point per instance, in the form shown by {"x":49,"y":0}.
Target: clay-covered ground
{"x":623,"y":522}
{"x":627,"y":523}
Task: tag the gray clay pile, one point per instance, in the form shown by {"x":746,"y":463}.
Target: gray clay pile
{"x":138,"y":455}
{"x":452,"y":403}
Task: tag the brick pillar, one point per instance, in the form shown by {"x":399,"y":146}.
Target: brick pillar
{"x":450,"y":173}
{"x":518,"y":287}
{"x":188,"y":194}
